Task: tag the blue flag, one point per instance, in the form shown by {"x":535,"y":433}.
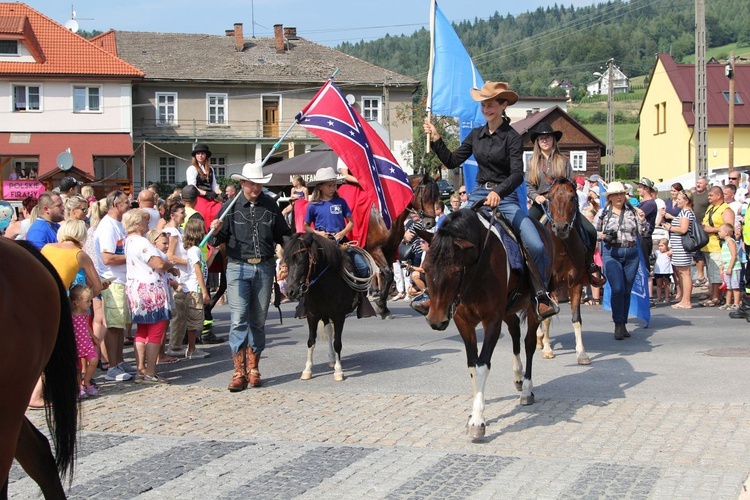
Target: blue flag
{"x":640,"y":304}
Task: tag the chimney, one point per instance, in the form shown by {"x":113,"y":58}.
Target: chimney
{"x":239,"y":39}
{"x":290,"y":34}
{"x":278,"y":35}
{"x":229,"y":32}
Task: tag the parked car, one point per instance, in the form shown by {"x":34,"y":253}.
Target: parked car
{"x":446,"y":188}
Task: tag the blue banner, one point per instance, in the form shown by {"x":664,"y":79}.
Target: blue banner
{"x":640,"y":304}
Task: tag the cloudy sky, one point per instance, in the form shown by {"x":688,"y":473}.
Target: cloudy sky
{"x":325,"y":21}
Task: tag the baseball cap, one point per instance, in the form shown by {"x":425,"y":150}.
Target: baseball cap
{"x":595,"y":178}
{"x":645,"y":181}
{"x":68,"y":183}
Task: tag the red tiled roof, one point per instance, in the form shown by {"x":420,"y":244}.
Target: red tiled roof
{"x":62,"y":52}
{"x":83,"y":147}
{"x":682,"y":77}
{"x":106,"y":41}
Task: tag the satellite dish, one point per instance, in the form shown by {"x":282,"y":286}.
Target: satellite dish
{"x":72,"y":25}
{"x":64,"y":161}
{"x":350,"y":99}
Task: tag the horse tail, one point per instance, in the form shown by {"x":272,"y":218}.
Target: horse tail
{"x":61,"y":381}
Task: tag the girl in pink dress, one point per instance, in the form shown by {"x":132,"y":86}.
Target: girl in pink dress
{"x":80,"y":304}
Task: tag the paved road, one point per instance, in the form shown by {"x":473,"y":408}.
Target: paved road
{"x":661,"y":415}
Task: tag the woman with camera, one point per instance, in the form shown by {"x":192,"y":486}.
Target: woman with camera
{"x":620,"y":226}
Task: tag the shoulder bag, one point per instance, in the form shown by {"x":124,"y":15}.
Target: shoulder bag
{"x":695,"y":238}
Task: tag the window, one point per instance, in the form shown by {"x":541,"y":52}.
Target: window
{"x":86,"y":99}
{"x":217,"y":108}
{"x":166,"y":108}
{"x":9,"y":47}
{"x":737,"y":98}
{"x":219,"y":163}
{"x":371,"y":109}
{"x":167,"y":168}
{"x":526,"y":159}
{"x":578,"y":160}
{"x":27,"y":98}
{"x":661,"y":117}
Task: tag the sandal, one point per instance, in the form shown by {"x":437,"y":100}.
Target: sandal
{"x":704,"y":297}
{"x":700,"y":282}
{"x":167,"y":360}
{"x":680,"y":306}
{"x":709,"y":303}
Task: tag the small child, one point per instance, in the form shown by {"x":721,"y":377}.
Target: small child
{"x":195,"y":282}
{"x":80,"y":304}
{"x":730,"y":267}
{"x":662,"y":270}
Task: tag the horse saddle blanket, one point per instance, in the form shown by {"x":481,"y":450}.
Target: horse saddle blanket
{"x":512,"y":250}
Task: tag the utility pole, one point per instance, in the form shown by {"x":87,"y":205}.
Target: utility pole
{"x":609,"y":169}
{"x":143,"y":165}
{"x":701,"y":119}
{"x":729,"y":72}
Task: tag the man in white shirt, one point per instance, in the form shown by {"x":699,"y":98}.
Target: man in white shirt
{"x":110,"y":249}
{"x":146,"y":202}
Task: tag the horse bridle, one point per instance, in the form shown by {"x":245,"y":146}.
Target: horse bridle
{"x":545,"y":205}
{"x":311,"y":261}
{"x":421,"y":187}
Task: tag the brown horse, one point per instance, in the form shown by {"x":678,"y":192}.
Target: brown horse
{"x":34,"y":343}
{"x":569,"y":267}
{"x":468,"y":272}
{"x":382,"y":243}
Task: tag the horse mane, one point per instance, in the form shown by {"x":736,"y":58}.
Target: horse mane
{"x":461,"y":224}
{"x":327,"y":250}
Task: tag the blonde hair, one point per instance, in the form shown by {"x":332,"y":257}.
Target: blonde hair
{"x":87,"y":192}
{"x":537,"y":158}
{"x":664,"y":241}
{"x":77,"y":292}
{"x":154,"y":235}
{"x":72,"y":230}
{"x":132,"y":218}
{"x":73,"y":202}
{"x":193,"y":233}
{"x":97,"y":211}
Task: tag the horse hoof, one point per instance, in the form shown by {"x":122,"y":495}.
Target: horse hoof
{"x":387,"y":315}
{"x":584,"y":360}
{"x":527,"y":400}
{"x":519,"y":385}
{"x":476,"y":431}
{"x":338,"y":377}
{"x":306,"y":376}
{"x":548,"y":355}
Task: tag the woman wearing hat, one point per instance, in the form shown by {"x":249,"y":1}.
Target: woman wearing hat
{"x":200,"y":173}
{"x":498,"y":149}
{"x":620,"y":227}
{"x":546,"y":164}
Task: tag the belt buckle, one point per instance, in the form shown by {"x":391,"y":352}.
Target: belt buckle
{"x":254,"y":260}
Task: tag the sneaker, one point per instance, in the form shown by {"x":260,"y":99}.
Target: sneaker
{"x":196,"y":354}
{"x":82,"y":394}
{"x":211,"y":338}
{"x":176,"y":353}
{"x":127,"y":368}
{"x":117,"y":374}
{"x":91,"y":390}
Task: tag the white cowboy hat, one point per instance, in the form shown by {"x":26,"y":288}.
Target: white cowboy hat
{"x":252,"y":172}
{"x":326,"y":174}
{"x":616,"y":187}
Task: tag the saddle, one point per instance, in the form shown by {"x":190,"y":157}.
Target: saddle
{"x":503,"y":231}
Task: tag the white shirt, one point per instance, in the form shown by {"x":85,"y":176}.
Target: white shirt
{"x":110,"y":237}
{"x":194,"y":256}
{"x":179,"y":252}
{"x":154,"y":217}
{"x":192,"y":177}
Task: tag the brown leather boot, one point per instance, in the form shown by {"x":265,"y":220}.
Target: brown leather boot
{"x":596,"y":277}
{"x":252,"y":375}
{"x":239,"y":379}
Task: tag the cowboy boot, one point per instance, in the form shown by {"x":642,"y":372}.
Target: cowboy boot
{"x":252,"y":375}
{"x":596,"y":277}
{"x":239,"y":379}
{"x":544,"y":306}
{"x":421,"y":303}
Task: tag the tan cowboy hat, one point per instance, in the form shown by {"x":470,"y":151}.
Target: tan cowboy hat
{"x":252,"y":172}
{"x":494,"y":90}
{"x":326,"y":174}
{"x":616,"y":187}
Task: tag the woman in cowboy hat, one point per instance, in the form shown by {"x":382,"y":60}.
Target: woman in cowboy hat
{"x":201,"y":174}
{"x":620,"y":226}
{"x":546,"y":164}
{"x":498,"y":149}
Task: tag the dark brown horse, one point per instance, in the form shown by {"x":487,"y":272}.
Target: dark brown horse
{"x":321,"y":273}
{"x":382,"y":243}
{"x":569,"y":267}
{"x":468,"y":274}
{"x":37,"y":338}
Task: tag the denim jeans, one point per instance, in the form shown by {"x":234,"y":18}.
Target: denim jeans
{"x":522,"y":223}
{"x":620,"y":268}
{"x":249,"y":292}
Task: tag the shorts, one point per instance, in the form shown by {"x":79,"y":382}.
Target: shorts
{"x":186,"y":315}
{"x":662,"y":276}
{"x":733,"y":280}
{"x":116,"y":310}
{"x":713,"y":273}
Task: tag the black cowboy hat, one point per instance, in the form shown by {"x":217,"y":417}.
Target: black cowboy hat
{"x":201,"y":148}
{"x":544,"y":129}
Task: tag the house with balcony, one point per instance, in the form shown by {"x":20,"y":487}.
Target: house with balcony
{"x":60,"y":93}
{"x":238,"y":95}
{"x":666,"y":132}
{"x":600,"y":86}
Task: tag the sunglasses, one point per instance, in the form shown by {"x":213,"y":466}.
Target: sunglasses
{"x":462,"y":192}
{"x":734,"y":178}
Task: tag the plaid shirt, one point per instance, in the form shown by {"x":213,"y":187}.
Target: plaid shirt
{"x":631,"y":229}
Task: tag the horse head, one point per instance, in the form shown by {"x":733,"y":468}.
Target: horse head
{"x":563,"y":207}
{"x":308,"y":257}
{"x":426,"y":195}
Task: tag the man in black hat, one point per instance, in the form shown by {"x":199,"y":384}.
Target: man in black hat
{"x":68,"y":187}
{"x":647,"y":192}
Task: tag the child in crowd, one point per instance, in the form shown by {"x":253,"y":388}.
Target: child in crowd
{"x":282,"y":271}
{"x":662,"y":270}
{"x":299,"y":192}
{"x":730,"y":267}
{"x":160,"y":240}
{"x":195,"y":282}
{"x":80,"y":304}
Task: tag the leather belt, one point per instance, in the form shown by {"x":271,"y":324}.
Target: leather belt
{"x":489,"y":184}
{"x":254,"y":260}
{"x":626,"y":244}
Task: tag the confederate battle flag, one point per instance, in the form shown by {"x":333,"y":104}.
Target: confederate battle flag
{"x":365,"y":154}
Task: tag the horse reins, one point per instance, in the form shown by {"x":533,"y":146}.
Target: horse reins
{"x":311,"y":261}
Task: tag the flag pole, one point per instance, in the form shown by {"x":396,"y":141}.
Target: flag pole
{"x":430,"y":70}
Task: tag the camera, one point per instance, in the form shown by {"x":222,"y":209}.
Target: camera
{"x":610,"y":236}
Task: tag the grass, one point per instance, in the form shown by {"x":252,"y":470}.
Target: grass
{"x":721,"y":53}
{"x":625,"y":142}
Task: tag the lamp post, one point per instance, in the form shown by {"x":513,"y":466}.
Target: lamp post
{"x":729,"y":72}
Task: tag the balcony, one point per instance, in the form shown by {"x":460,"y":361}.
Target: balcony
{"x":235,"y":130}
